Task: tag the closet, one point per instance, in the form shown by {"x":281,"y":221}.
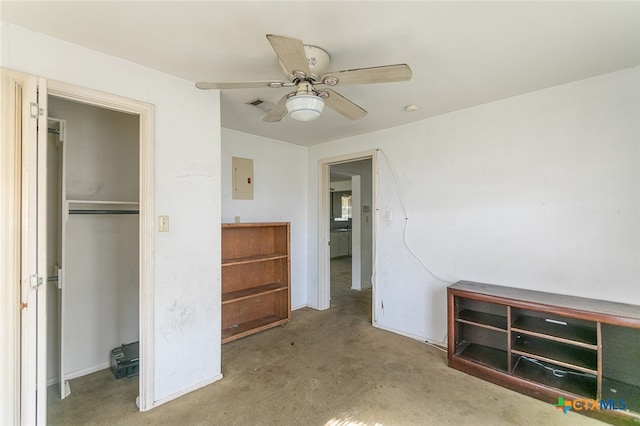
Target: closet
{"x":93,"y":237}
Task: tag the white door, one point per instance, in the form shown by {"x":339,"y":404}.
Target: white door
{"x":63,"y":383}
{"x":33,"y":318}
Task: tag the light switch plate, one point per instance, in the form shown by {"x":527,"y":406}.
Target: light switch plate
{"x":163,"y":223}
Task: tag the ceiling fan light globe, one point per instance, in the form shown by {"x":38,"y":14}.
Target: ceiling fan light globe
{"x":305,"y":107}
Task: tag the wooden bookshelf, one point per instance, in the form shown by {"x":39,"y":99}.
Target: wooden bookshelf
{"x":256,"y":283}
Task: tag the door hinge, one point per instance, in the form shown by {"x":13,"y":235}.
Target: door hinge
{"x":35,"y":110}
{"x":35,"y":281}
{"x":60,"y":278}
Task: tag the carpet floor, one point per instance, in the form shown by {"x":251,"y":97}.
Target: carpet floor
{"x":325,"y":368}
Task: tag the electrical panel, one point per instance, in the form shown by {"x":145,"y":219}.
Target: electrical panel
{"x":242,"y":169}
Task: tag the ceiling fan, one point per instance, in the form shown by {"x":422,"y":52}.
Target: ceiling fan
{"x":306,"y":68}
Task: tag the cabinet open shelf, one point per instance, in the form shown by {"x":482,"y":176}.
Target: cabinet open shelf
{"x":238,"y":295}
{"x":253,"y":259}
{"x":483,"y":319}
{"x":567,"y":380}
{"x":546,"y":345}
{"x":247,"y":328}
{"x":494,"y":358}
{"x":557,"y":330}
{"x":581,"y":359}
{"x":256,"y":283}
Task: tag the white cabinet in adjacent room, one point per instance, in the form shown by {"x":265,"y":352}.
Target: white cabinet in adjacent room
{"x":340,"y":244}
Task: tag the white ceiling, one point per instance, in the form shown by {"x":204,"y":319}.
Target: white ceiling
{"x":462,"y":53}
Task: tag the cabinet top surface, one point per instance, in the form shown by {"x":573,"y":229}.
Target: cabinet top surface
{"x":253,"y":224}
{"x":551,"y":299}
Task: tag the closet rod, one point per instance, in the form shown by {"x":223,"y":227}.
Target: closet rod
{"x":77,"y":211}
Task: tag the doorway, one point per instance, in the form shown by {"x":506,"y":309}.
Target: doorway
{"x":117,"y":121}
{"x":346,"y":190}
{"x":25,"y":121}
{"x":92,"y":238}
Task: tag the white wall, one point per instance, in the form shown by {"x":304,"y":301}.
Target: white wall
{"x":187,"y":170}
{"x":279,"y":194}
{"x":341,"y":185}
{"x":366,"y":223}
{"x":540,"y":191}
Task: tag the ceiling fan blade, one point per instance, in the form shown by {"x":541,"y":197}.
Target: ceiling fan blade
{"x":343,"y":105}
{"x":278,"y":111}
{"x":382,"y":74}
{"x":204,"y":85}
{"x":291,"y":53}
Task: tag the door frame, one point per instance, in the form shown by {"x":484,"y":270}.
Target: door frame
{"x":145,"y":112}
{"x":11,"y":239}
{"x":324,"y":229}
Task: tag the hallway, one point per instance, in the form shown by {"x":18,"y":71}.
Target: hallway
{"x":349,"y":302}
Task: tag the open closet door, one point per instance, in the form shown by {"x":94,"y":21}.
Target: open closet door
{"x":63,"y":382}
{"x":33,"y":318}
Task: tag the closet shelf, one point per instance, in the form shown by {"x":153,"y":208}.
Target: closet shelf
{"x":101,"y":207}
{"x":103,"y":202}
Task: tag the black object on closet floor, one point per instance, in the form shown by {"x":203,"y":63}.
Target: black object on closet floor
{"x":125,"y":360}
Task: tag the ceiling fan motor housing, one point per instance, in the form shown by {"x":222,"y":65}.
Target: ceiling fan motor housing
{"x":318,"y":60}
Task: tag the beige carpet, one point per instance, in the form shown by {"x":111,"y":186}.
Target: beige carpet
{"x":323,"y":368}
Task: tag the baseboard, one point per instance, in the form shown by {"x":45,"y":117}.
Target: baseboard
{"x":442,"y":345}
{"x":301,"y":306}
{"x":88,"y":370}
{"x":187,"y":390}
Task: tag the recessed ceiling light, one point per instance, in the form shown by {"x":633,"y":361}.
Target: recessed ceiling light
{"x":411,"y":108}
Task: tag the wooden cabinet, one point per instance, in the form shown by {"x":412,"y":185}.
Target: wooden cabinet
{"x":548,"y":346}
{"x":256,"y":283}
